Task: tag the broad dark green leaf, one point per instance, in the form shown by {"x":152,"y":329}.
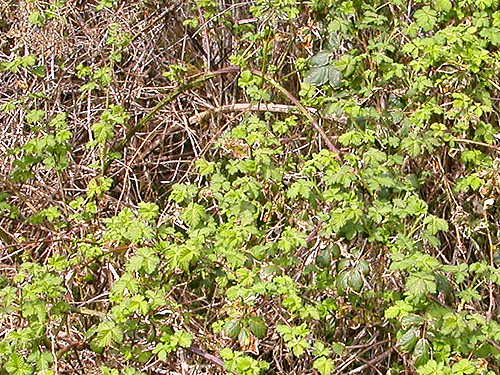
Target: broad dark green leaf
{"x":232,"y":329}
{"x":421,"y":352}
{"x":408,"y":340}
{"x":317,"y":75}
{"x":257,"y":327}
{"x":355,"y":281}
{"x":320,"y":59}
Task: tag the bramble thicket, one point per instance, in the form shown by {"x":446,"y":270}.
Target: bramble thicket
{"x":249,"y":187}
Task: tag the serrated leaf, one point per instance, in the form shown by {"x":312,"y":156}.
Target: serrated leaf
{"x":226,"y":354}
{"x":426,"y":18}
{"x":232,"y":329}
{"x":193,"y":214}
{"x":108,"y":333}
{"x":421,"y":283}
{"x":126,"y":283}
{"x":298,"y":346}
{"x":444,"y":5}
{"x":138,"y":303}
{"x":134,"y":264}
{"x":244,"y":337}
{"x":183,"y":338}
{"x":257,"y":327}
{"x":317,"y":75}
{"x":341,"y":282}
{"x":338,"y":348}
{"x":149,"y":260}
{"x":363,"y":266}
{"x":135,"y":231}
{"x":408,"y":340}
{"x":35,"y":116}
{"x":148,"y":211}
{"x":355,"y":280}
{"x":463,"y":367}
{"x":324,"y":365}
{"x":320,"y":349}
{"x":16,"y":365}
{"x":29,"y":60}
{"x":421,"y":352}
{"x":435,"y":224}
{"x":323,"y":258}
{"x":320,"y":59}
{"x":102,"y":132}
{"x":150,"y":264}
{"x":333,"y":76}
{"x":205,"y":167}
{"x":432,"y":368}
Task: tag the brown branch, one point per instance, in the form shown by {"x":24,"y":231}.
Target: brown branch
{"x":196,"y":80}
{"x":373,"y":362}
{"x":259,"y":107}
{"x":301,"y":108}
{"x":205,"y":355}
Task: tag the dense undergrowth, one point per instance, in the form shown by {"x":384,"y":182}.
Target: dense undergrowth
{"x":249,"y":187}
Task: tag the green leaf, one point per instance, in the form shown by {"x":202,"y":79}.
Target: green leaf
{"x":354,"y":280}
{"x":317,"y":75}
{"x":323,"y":74}
{"x":324,"y":258}
{"x":108,"y":333}
{"x":125,"y":284}
{"x":183,"y":339}
{"x":443,"y":5}
{"x":483,"y":4}
{"x":320,"y":349}
{"x":35,"y":116}
{"x":134,"y":264}
{"x":433,"y":368}
{"x":298,"y":346}
{"x":232,"y":328}
{"x":463,"y":367}
{"x":193,"y":214}
{"x":16,"y":365}
{"x":29,"y":61}
{"x":333,"y":76}
{"x":435,"y":224}
{"x":244,"y":337}
{"x":421,"y":352}
{"x":363,"y":266}
{"x":400,"y":309}
{"x":205,"y":167}
{"x":338,"y":348}
{"x":139,"y":304}
{"x":320,"y":59}
{"x":102,"y":131}
{"x":148,"y":211}
{"x":300,"y":188}
{"x":227,"y":354}
{"x":341,"y":282}
{"x":36,"y":18}
{"x":135,"y":231}
{"x":257,"y":327}
{"x":421,"y":283}
{"x":324,"y":365}
{"x":149,"y":260}
{"x":453,"y":324}
{"x":426,"y":18}
{"x":492,"y":34}
{"x":408,"y":340}
{"x":469,"y":294}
